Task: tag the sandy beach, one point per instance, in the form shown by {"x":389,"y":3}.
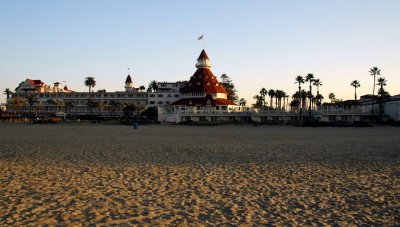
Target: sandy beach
{"x":194,"y":175}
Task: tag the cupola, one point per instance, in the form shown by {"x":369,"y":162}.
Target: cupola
{"x":203,"y":61}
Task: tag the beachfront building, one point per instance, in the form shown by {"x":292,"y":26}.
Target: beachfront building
{"x":365,"y":109}
{"x":35,"y":97}
{"x":202,"y":99}
{"x":392,"y":107}
{"x":166,"y":93}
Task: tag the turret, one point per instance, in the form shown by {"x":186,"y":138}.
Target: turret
{"x":128,"y":83}
{"x":203,"y":61}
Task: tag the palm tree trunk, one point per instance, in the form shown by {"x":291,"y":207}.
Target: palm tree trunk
{"x":300,"y":102}
{"x":309,"y":105}
{"x":355,"y":93}
{"x":373,"y":97}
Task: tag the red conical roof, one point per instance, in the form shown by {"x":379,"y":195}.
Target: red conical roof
{"x":128,"y":79}
{"x":203,"y":55}
{"x":204,"y":81}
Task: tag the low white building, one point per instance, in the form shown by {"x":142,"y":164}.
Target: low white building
{"x":34,"y":96}
{"x":166,"y":93}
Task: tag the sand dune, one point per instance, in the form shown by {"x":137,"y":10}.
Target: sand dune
{"x":182,"y":175}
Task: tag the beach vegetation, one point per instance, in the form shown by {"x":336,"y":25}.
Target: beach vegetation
{"x":356,"y":84}
{"x":91,"y":83}
{"x":229,"y":87}
{"x":7,"y":92}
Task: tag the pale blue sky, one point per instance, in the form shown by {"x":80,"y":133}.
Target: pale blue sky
{"x":257,"y":43}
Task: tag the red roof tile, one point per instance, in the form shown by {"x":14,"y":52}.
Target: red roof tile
{"x":36,"y":83}
{"x":203,"y":80}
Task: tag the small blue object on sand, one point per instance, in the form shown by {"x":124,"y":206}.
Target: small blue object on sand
{"x":135,"y":125}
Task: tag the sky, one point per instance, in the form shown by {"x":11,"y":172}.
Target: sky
{"x":256,"y":43}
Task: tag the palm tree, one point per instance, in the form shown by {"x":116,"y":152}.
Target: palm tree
{"x":332,"y":97}
{"x":91,"y":83}
{"x":382,"y":95}
{"x":7,"y":92}
{"x":295,"y":103}
{"x":300,"y":80}
{"x":374,"y":71}
{"x":319,"y":99}
{"x":263,"y":93}
{"x":310,"y":78}
{"x":259,"y":101}
{"x":153,"y":86}
{"x":303,"y":95}
{"x":317,"y":83}
{"x":279,"y":95}
{"x":17,"y":103}
{"x":282,"y":95}
{"x":287,"y":101}
{"x":355,"y":84}
{"x":276,"y":99}
{"x":242,"y":103}
{"x":69,"y":105}
{"x":142,"y":88}
{"x":31,"y":100}
{"x":271,"y":94}
{"x":382,"y":82}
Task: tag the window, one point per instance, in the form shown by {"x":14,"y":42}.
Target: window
{"x":176,"y":95}
{"x":224,"y":107}
{"x":159,"y":102}
{"x":152,"y":102}
{"x":160,"y":95}
{"x":152,"y":95}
